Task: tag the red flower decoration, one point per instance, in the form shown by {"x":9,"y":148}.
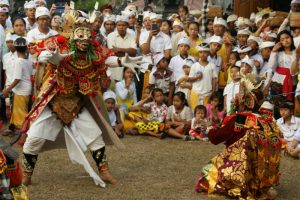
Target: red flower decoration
{"x":61,"y":39}
{"x":95,"y":43}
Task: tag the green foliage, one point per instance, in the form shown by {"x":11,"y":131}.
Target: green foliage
{"x":88,"y":5}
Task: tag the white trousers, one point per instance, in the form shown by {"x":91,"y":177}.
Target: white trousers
{"x":46,"y":127}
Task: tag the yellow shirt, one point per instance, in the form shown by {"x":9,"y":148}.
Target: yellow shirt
{"x":193,"y":51}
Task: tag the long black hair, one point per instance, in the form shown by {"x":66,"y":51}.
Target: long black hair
{"x":181,"y":96}
{"x":290,"y":35}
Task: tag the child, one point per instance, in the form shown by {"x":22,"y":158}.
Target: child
{"x":288,"y":123}
{"x":181,"y":83}
{"x":163,"y":78}
{"x":254,"y":54}
{"x":166,"y":27}
{"x":8,"y":65}
{"x":153,"y":125}
{"x":248,"y":66}
{"x":126,"y":90}
{"x":203,"y":76}
{"x":232,"y":89}
{"x":21,"y":84}
{"x":233,"y":58}
{"x":177,"y":61}
{"x":294,"y":148}
{"x":179,"y":117}
{"x":199,"y":124}
{"x":177,"y":27}
{"x":213,"y":114}
{"x":243,"y":36}
{"x":215,"y":44}
{"x":109,"y":98}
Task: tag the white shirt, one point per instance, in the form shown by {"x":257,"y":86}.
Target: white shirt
{"x":123,"y":93}
{"x":22,"y":72}
{"x":28,"y":26}
{"x":266,"y":73}
{"x":217,"y":60}
{"x":230,"y":91}
{"x":114,"y":39}
{"x":162,"y":83}
{"x":258,"y":58}
{"x":204,"y":85}
{"x":176,"y":64}
{"x":112,"y":118}
{"x":9,"y":61}
{"x":159,"y":42}
{"x":289,"y":130}
{"x":35,"y":34}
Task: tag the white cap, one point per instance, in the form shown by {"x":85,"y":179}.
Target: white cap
{"x":184,"y":40}
{"x":109,"y":18}
{"x":244,"y":32}
{"x":242,"y":21}
{"x":128,"y":13}
{"x":4,"y":2}
{"x":174,"y":15}
{"x":203,"y":47}
{"x":178,"y":23}
{"x":29,"y":4}
{"x":9,"y":37}
{"x":4,"y":10}
{"x":188,"y":62}
{"x":42,"y":1}
{"x":220,"y":21}
{"x":232,"y":18}
{"x":248,"y":61}
{"x":109,"y":95}
{"x":254,"y":38}
{"x":146,"y":14}
{"x":266,"y":44}
{"x":158,"y":57}
{"x":295,"y":1}
{"x":267,"y":105}
{"x":216,"y":39}
{"x":252,"y":16}
{"x":121,"y":18}
{"x":155,"y":16}
{"x":244,"y":49}
{"x":41,"y":11}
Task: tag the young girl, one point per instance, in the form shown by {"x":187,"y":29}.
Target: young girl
{"x":153,"y":125}
{"x":126,"y":91}
{"x":181,"y":83}
{"x":199,"y":124}
{"x":182,"y":11}
{"x":179,"y":117}
{"x":163,"y":78}
{"x":21,"y":84}
{"x":213,"y":114}
{"x":19,"y":26}
{"x":282,"y":56}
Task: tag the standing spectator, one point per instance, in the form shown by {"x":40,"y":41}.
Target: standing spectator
{"x":21,"y":84}
{"x":163,"y":78}
{"x":195,"y":39}
{"x":30,"y":15}
{"x":203,"y":76}
{"x":177,"y":62}
{"x":254,"y":54}
{"x":108,"y":25}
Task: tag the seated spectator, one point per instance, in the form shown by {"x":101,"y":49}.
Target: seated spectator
{"x":214,"y":115}
{"x":199,"y":124}
{"x":288,"y":123}
{"x":154,"y":124}
{"x":113,"y":112}
{"x":178,"y":118}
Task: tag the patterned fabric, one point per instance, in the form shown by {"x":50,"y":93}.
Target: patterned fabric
{"x":204,"y":18}
{"x":157,"y":113}
{"x":249,"y":167}
{"x":150,"y":126}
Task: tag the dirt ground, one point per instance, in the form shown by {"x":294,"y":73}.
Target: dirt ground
{"x":149,"y":168}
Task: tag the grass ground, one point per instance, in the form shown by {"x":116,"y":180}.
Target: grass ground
{"x":149,"y":168}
